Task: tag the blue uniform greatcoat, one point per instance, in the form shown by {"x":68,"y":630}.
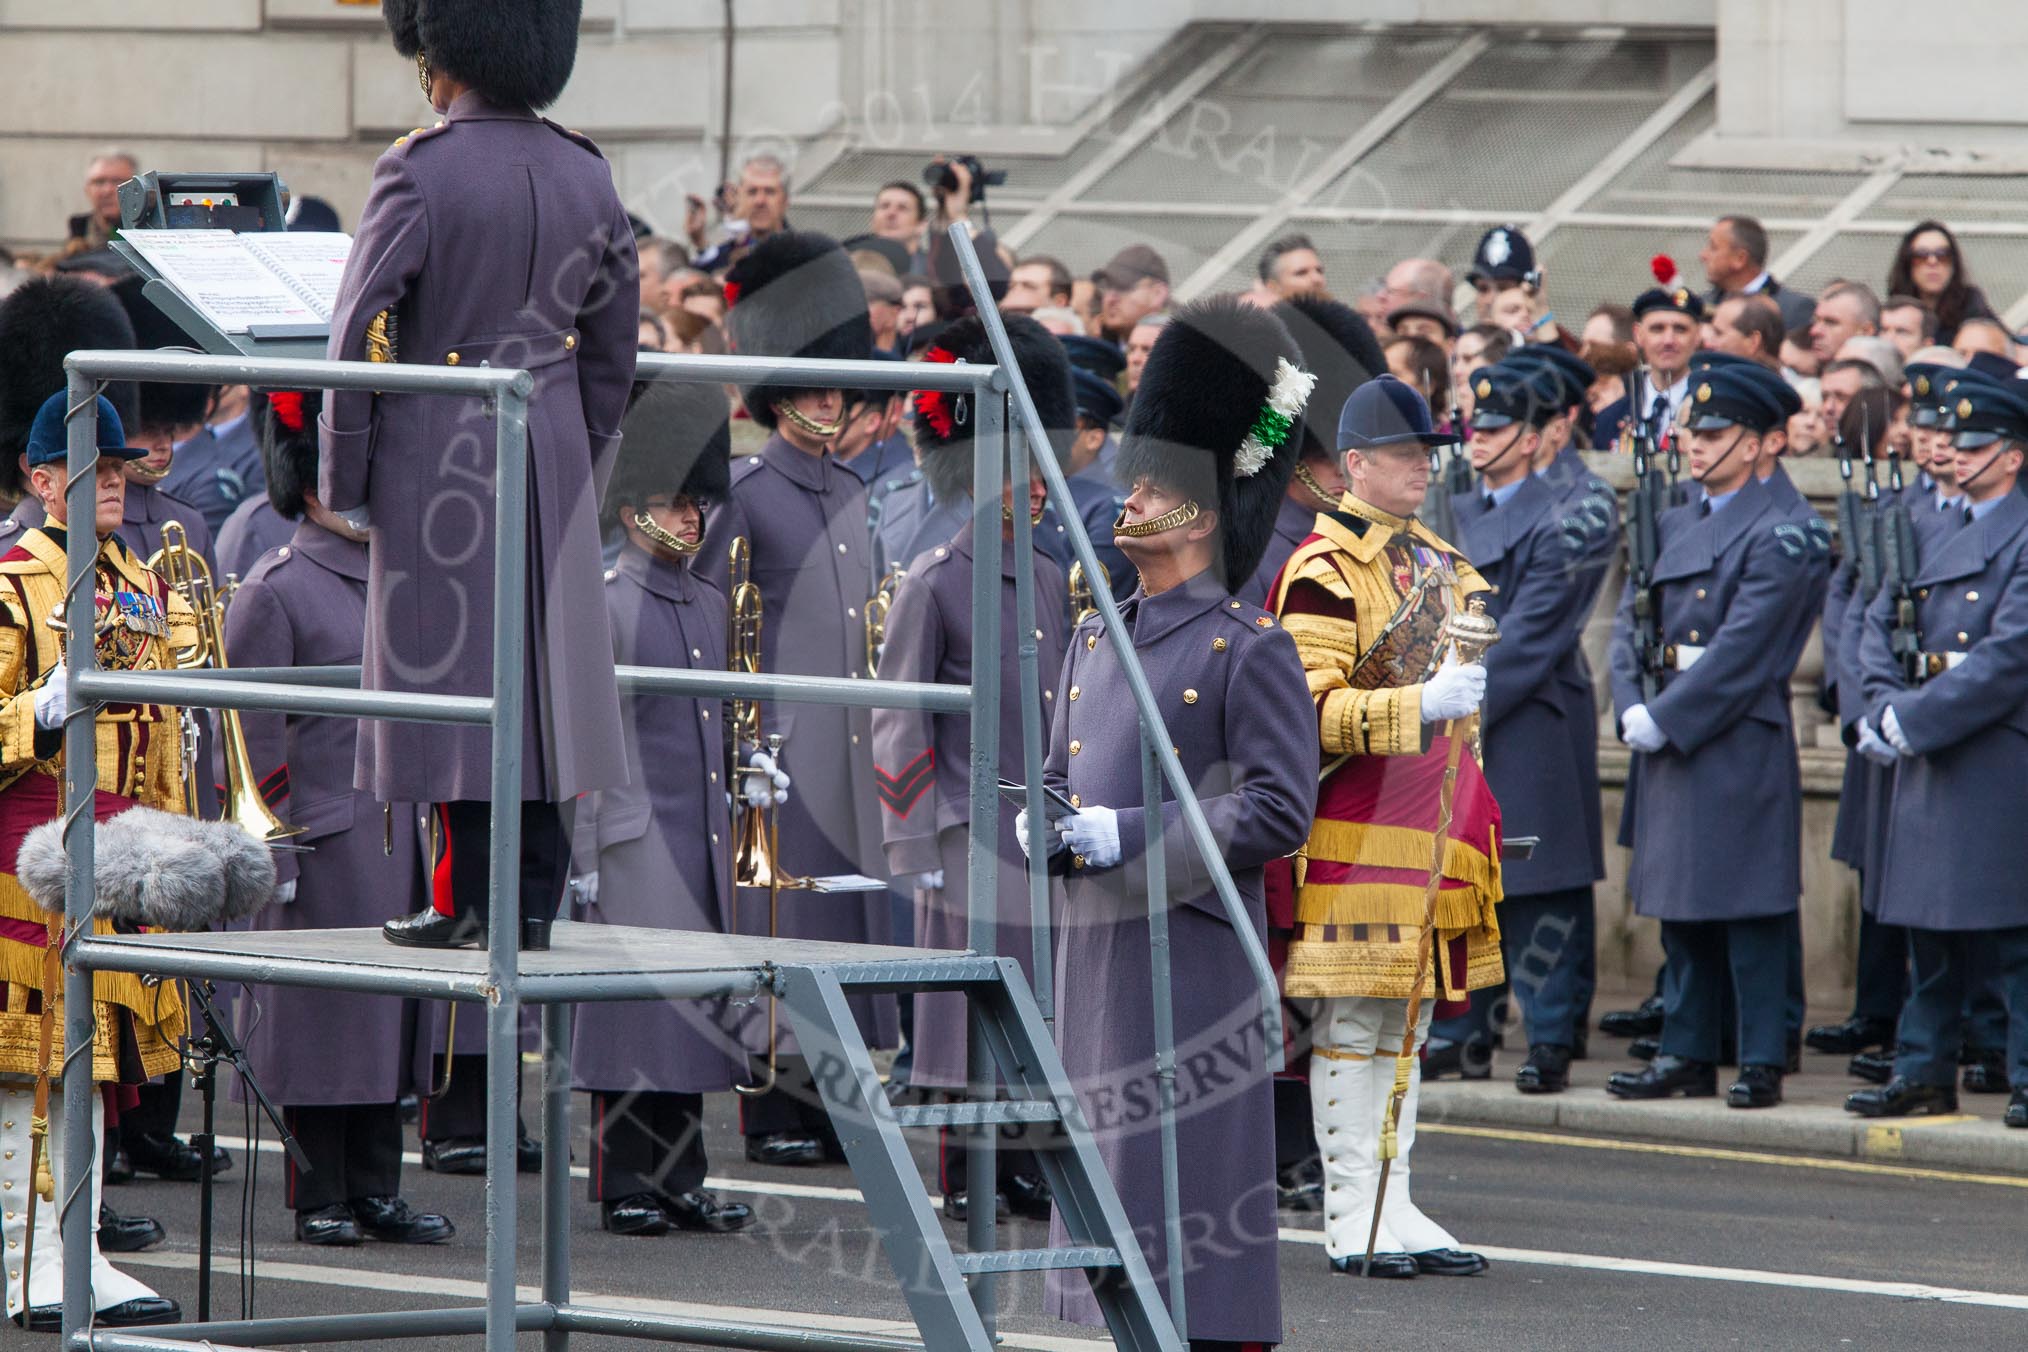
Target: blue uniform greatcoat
{"x":1591,"y":508}
{"x":922,"y":763}
{"x":304,"y":605}
{"x":1956,"y":852}
{"x":1232,"y":691}
{"x":804,"y":517}
{"x":1523,"y":548}
{"x":493,"y":238}
{"x":662,"y":843}
{"x":1733,"y":582}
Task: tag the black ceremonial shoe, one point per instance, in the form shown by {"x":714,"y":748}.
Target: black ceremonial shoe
{"x":1646,"y":1021}
{"x":135,"y":1313}
{"x":1546,"y":1071}
{"x":332,"y":1226}
{"x":1028,"y":1194}
{"x":172,"y":1158}
{"x":1756,"y":1087}
{"x":1443,"y":1057}
{"x":1875,"y":1067}
{"x":1447,"y":1263}
{"x":1665,"y":1077}
{"x":1902,"y":1098}
{"x":1645,"y":1048}
{"x":1384,"y":1265}
{"x":784,"y":1149}
{"x":128,"y":1234}
{"x":429,"y":929}
{"x":2017,"y":1109}
{"x":1985,"y":1072}
{"x":455,"y":1155}
{"x":700,"y":1210}
{"x":640,"y":1214}
{"x":393,"y":1221}
{"x":957,"y":1208}
{"x":1856,"y":1034}
{"x":119,"y":1169}
{"x":1299,"y":1194}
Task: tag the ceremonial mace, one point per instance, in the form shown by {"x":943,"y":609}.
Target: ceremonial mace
{"x":1471,"y":634}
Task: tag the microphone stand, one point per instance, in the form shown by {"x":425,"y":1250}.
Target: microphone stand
{"x":204,"y":1055}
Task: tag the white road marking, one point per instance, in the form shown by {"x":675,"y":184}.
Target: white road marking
{"x":1288,"y":1235}
{"x":367,"y":1279}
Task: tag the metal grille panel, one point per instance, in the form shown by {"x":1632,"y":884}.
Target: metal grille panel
{"x":1955,"y":198}
{"x":1590,"y":265}
{"x":1650,"y":185}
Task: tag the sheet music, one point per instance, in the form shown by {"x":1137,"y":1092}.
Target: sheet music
{"x":312,"y":261}
{"x":222,"y":279}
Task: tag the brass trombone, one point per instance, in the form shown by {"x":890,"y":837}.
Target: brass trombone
{"x":1082,"y":603}
{"x":184,"y":569}
{"x":876,"y":616}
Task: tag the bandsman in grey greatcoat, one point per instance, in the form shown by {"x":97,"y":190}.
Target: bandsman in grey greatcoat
{"x":1735,"y":572}
{"x":336,"y":1062}
{"x":657,"y":851}
{"x":803,"y":516}
{"x":1209,"y":447}
{"x":494,"y":237}
{"x":1952,"y":721}
{"x":921,"y":761}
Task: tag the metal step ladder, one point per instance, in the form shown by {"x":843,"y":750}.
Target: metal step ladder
{"x":932,"y":1276}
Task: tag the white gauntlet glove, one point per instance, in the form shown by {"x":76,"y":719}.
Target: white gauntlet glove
{"x":1093,"y":833}
{"x":1890,"y":728}
{"x":1872,"y":748}
{"x":51,"y":704}
{"x":584,"y":889}
{"x":285,"y":892}
{"x":769,"y":788}
{"x":1454,"y":692}
{"x":932,"y":881}
{"x":1640,"y":731}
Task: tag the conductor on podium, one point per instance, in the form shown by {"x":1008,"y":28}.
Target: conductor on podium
{"x":494,"y":237}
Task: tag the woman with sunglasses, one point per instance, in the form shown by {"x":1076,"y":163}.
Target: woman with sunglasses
{"x":1928,"y":264}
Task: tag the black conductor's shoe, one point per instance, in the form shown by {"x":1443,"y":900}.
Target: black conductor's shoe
{"x":957,"y":1208}
{"x":1665,"y":1077}
{"x":432,"y":929}
{"x":1756,"y":1087}
{"x":1902,"y":1098}
{"x":1448,"y":1263}
{"x":1546,"y":1071}
{"x":171,"y":1157}
{"x":1644,"y":1048}
{"x":784,"y":1149}
{"x":1874,"y":1067}
{"x":1029,"y":1195}
{"x":1985,"y":1071}
{"x":455,"y":1155}
{"x":393,"y":1221}
{"x":333,"y":1226}
{"x":1384,"y":1265}
{"x":128,"y":1234}
{"x":640,"y":1214}
{"x":1857,"y":1034}
{"x":1645,"y":1021}
{"x":2017,"y":1108}
{"x":700,"y":1210}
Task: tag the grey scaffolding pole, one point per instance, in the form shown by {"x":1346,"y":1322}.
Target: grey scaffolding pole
{"x":675,"y":966}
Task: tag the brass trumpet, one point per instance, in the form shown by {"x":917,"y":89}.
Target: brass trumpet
{"x":184,"y":569}
{"x":877,"y":607}
{"x":1082,"y":603}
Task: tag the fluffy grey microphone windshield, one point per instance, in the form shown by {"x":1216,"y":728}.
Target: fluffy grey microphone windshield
{"x":156,"y":869}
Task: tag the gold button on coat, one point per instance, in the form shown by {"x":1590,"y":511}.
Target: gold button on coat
{"x":1963,"y":637}
{"x":1700,"y":593}
{"x":1971,"y":596}
{"x":1218,"y":645}
{"x":1075,"y":746}
{"x":1694,"y":636}
{"x":569,"y":341}
{"x":1075,"y":692}
{"x":1189,"y":696}
{"x":452,"y":360}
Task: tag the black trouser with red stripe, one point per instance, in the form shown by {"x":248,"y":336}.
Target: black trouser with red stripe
{"x":354,"y":1151}
{"x":459,"y":1113}
{"x":464,"y":859}
{"x":646,"y":1141}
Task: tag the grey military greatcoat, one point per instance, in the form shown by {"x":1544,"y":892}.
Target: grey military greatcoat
{"x":1524,"y":548}
{"x":1956,"y":854}
{"x":1717,"y":831}
{"x":495,"y":238}
{"x":1232,"y":691}
{"x":662,"y":842}
{"x":922,"y":765}
{"x":805,"y":519}
{"x":304,"y":605}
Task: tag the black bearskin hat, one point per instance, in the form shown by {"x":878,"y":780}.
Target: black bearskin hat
{"x":163,"y":404}
{"x":675,"y":439}
{"x":944,"y":422}
{"x":1339,"y":349}
{"x":795,"y":294}
{"x":512,"y":51}
{"x":41,"y":322}
{"x":1219,"y":417}
{"x":285,"y":422}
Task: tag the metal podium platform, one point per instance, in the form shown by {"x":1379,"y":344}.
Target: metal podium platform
{"x":1014,"y":1074}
